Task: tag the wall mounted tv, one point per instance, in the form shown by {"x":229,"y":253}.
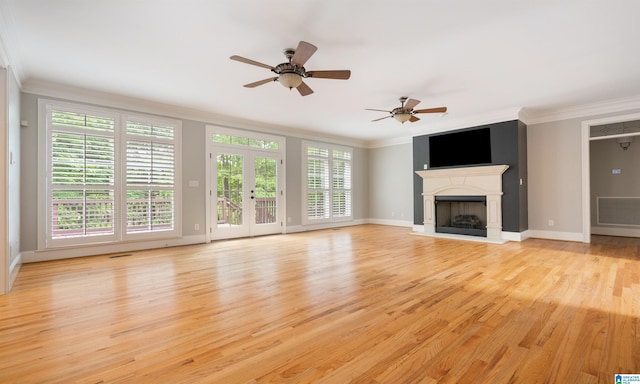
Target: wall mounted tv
{"x":470,"y":147}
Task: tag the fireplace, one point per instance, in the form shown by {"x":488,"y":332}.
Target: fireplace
{"x":465,"y":183}
{"x":461,"y":215}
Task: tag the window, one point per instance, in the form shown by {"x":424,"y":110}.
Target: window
{"x":327,"y":188}
{"x":88,"y":198}
{"x":242,"y":141}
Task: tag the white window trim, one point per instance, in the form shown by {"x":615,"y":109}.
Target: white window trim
{"x":44,"y":140}
{"x":248,"y":134}
{"x":331,"y":147}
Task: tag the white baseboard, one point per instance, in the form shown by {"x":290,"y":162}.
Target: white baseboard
{"x":507,"y":236}
{"x":314,"y":227}
{"x":67,"y":253}
{"x":393,"y":223}
{"x":551,"y":235}
{"x":515,"y":236}
{"x":452,"y":236}
{"x":614,"y":231}
{"x":294,"y":228}
{"x":14,"y":268}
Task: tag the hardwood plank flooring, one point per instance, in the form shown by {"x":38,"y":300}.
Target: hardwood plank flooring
{"x":362,"y":304}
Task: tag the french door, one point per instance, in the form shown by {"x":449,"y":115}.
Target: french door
{"x":246,"y":192}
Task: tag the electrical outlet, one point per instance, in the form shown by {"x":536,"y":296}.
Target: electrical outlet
{"x":551,"y":223}
{"x":196,"y":227}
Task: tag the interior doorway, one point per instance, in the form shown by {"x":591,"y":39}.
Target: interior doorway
{"x":587,"y":138}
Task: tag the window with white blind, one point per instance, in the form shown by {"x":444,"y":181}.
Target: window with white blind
{"x":109,"y":177}
{"x":150,"y":177}
{"x":327,"y":183}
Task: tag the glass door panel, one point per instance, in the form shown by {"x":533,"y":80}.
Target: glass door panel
{"x":230,"y":195}
{"x":247,"y":194}
{"x":265,"y":195}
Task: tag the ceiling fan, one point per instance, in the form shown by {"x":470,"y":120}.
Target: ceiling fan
{"x":291,"y":73}
{"x":405,"y":112}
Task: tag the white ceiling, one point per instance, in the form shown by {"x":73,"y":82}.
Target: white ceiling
{"x":484,"y":60}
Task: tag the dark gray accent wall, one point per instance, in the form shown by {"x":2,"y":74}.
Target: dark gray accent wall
{"x":508,"y":147}
{"x":524,"y":176}
{"x":420,"y":158}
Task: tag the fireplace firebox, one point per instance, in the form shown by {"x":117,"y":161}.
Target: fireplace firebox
{"x":461,"y":215}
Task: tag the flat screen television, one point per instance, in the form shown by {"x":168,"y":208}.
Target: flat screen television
{"x":470,"y":147}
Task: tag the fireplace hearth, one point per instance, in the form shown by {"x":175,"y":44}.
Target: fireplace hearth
{"x":461,"y":215}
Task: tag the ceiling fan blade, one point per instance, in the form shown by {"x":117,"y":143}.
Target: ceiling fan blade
{"x":411,"y":103}
{"x":303,"y":53}
{"x":339,"y":75}
{"x":382,"y":118}
{"x":265,"y":81}
{"x":304,"y":89}
{"x":413,"y":119}
{"x":249,"y":61}
{"x":431,"y":110}
{"x":377,"y":110}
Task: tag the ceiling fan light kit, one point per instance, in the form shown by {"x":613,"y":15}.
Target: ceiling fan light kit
{"x":290,"y":79}
{"x":402,"y":117}
{"x":292,"y":73}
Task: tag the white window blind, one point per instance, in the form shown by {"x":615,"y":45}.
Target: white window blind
{"x":82,"y":178}
{"x":150,"y":177}
{"x":109,"y":176}
{"x":328,"y":183}
{"x":318,"y":192}
{"x":341,"y":187}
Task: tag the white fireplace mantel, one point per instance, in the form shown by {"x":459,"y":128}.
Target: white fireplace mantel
{"x":468,"y":181}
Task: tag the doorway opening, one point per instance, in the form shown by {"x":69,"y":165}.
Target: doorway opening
{"x":589,"y":200}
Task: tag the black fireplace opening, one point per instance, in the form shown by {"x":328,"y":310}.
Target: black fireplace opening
{"x":461,"y":215}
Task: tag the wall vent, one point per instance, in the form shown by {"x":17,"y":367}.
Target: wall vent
{"x":618,"y":211}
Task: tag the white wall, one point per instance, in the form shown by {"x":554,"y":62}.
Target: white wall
{"x":391,"y":185}
{"x":13,"y":177}
{"x":4,"y":135}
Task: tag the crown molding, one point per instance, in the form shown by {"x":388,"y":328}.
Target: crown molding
{"x":389,"y":142}
{"x":4,"y":57}
{"x":533,"y":116}
{"x":104,"y":99}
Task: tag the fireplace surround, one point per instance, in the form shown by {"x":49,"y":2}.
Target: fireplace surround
{"x":483,"y":181}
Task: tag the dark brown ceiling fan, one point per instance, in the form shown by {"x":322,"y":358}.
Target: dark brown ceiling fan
{"x":405,"y":111}
{"x":292,"y":73}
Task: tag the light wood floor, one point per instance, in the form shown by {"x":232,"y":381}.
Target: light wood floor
{"x":364,"y":304}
